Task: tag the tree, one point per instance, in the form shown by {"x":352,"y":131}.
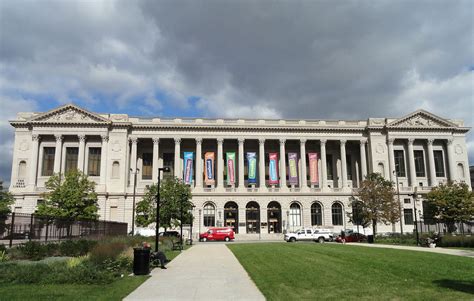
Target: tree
{"x":451,"y":203}
{"x":377,"y":195}
{"x":175,"y":197}
{"x":360,"y":214}
{"x":6,"y":200}
{"x":72,"y":198}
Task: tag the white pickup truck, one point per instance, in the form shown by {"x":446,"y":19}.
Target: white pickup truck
{"x":319,"y":235}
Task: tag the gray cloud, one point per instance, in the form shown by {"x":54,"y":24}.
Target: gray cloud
{"x":305,"y":59}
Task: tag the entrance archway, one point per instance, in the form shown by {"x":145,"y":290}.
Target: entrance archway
{"x":231,"y":216}
{"x":252,"y":217}
{"x":274,"y":217}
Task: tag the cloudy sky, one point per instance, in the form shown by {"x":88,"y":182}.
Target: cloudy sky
{"x":294,"y":59}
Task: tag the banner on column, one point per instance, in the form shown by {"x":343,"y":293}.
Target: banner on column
{"x":209,"y":161}
{"x":273,"y":168}
{"x":230,"y":159}
{"x":293,"y":168}
{"x":252,"y":166}
{"x":313,"y":168}
{"x":188,"y":167}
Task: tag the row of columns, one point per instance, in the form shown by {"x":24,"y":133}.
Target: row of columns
{"x":241,"y":141}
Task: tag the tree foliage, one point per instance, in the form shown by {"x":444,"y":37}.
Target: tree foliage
{"x":377,"y":195}
{"x":71,"y":198}
{"x":6,"y":200}
{"x":359,"y":214}
{"x":175,"y":198}
{"x":451,"y":203}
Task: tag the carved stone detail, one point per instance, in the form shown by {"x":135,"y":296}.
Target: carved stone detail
{"x":116,"y":146}
{"x":156,"y":140}
{"x":59,"y":137}
{"x":133,"y":140}
{"x":261,"y":141}
{"x":282,"y":141}
{"x":420,"y":120}
{"x":323,"y":141}
{"x":198,"y":141}
{"x":380,"y":149}
{"x":177,"y":140}
{"x":390,"y":141}
{"x":69,"y":115}
{"x":105,"y":138}
{"x":35,"y":137}
{"x":303,"y":141}
{"x":342,"y":141}
{"x":363,"y":141}
{"x":241,"y":140}
{"x":458,"y":149}
{"x":411,"y":140}
{"x":24,"y":145}
{"x":430,"y":141}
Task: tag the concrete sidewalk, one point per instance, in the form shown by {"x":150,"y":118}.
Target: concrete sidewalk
{"x":457,"y":252}
{"x":203,"y":272}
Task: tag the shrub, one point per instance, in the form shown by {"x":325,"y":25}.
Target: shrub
{"x":76,"y":247}
{"x":32,"y":250}
{"x":3,"y":247}
{"x":106,"y":250}
{"x":456,"y":241}
{"x":4,"y":256}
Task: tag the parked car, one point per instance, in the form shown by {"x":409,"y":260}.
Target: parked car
{"x":170,"y":234}
{"x":308,"y":234}
{"x":225,"y":234}
{"x":353,"y":237}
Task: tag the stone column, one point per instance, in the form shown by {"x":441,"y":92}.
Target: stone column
{"x":199,"y":172}
{"x":261,"y":159}
{"x":133,"y":157}
{"x":282,"y":164}
{"x":431,"y":163}
{"x":241,"y":164}
{"x":82,"y":152}
{"x":451,"y":163}
{"x":363,"y":158}
{"x":156,"y":156}
{"x":220,"y":163}
{"x":103,"y":159}
{"x":34,"y":160}
{"x":324,"y":176}
{"x":411,"y":161}
{"x":391,"y":159}
{"x":177,"y":158}
{"x":57,"y":153}
{"x":303,"y":173}
{"x":342,"y":144}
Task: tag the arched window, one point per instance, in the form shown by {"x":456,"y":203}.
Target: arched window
{"x":316,"y":214}
{"x":115,"y":170}
{"x":295,"y":214}
{"x":209,"y":215}
{"x":381,"y":169}
{"x":231,"y":216}
{"x":337,"y":214}
{"x":21,"y":170}
{"x":274,"y":217}
{"x":253,"y":217}
{"x":460,"y":171}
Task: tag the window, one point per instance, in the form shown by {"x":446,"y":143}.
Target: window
{"x":22,"y":170}
{"x":168,"y":161}
{"x":93,"y":168}
{"x":329,"y":167}
{"x":419,"y":163}
{"x":48,"y":161}
{"x":115,"y":170}
{"x":349,"y":167}
{"x":71,"y":158}
{"x":439,"y":163}
{"x":253,"y":217}
{"x":316,"y":215}
{"x":408,"y":216}
{"x":460,"y":171}
{"x":295,"y":215}
{"x":147,"y":166}
{"x":209,"y":215}
{"x":407,"y":201}
{"x":400,"y":163}
{"x":337,"y":214}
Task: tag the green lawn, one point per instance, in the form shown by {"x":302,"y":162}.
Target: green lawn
{"x":284,"y":271}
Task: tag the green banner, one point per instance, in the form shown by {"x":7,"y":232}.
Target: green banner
{"x":230,"y":168}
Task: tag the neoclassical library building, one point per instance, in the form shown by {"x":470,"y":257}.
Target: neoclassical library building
{"x":260,"y":176}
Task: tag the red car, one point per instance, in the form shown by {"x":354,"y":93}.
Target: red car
{"x":353,"y":237}
{"x":225,"y":234}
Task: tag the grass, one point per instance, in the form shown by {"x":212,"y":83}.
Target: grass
{"x":331,"y":271}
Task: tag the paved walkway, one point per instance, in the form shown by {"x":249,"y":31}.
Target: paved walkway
{"x":457,"y":252}
{"x":203,"y":272}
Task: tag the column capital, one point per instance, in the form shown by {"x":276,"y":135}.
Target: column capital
{"x":323,"y":141}
{"x":104,"y":137}
{"x":156,"y":140}
{"x":220,"y":140}
{"x":81,"y":137}
{"x":342,"y":141}
{"x":261,"y":141}
{"x":35,"y":137}
{"x":411,"y":140}
{"x":363,"y":141}
{"x":302,"y":140}
{"x":58,"y":137}
{"x":198,"y":141}
{"x":134,"y":140}
{"x":177,"y":140}
{"x":241,"y":140}
{"x":430,"y":141}
{"x":450,"y":141}
{"x":282,"y":141}
{"x":390,"y":140}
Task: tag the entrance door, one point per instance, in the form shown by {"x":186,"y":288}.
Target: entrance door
{"x":253,"y":218}
{"x":274,"y":217}
{"x":231,"y":216}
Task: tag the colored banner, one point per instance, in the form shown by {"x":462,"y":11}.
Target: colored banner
{"x":252,"y":166}
{"x":293,"y":168}
{"x":230,"y":159}
{"x":273,"y":168}
{"x":209,"y":161}
{"x":188,"y":158}
{"x":313,"y":168}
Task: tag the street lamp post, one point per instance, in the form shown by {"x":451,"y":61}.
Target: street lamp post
{"x":399,"y":203}
{"x":166,"y":169}
{"x":134,"y":192}
{"x":415,"y":197}
{"x":192,"y":220}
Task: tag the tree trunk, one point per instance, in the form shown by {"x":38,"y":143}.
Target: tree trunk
{"x":374,"y":227}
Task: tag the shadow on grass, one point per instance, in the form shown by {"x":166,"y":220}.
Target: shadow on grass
{"x":462,"y":286}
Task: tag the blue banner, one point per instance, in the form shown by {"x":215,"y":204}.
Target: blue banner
{"x":188,"y":167}
{"x":252,"y":166}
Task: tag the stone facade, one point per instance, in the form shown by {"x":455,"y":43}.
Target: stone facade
{"x":424,"y":148}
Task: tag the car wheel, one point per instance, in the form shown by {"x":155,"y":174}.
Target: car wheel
{"x":227,"y":238}
{"x":292,"y":239}
{"x":321,"y":240}
{"x":204,"y":239}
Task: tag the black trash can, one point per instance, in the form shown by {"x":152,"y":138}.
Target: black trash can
{"x":370,"y":239}
{"x":141,"y":261}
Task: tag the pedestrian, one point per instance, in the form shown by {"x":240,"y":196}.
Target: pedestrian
{"x":162,"y":258}
{"x":343,"y":237}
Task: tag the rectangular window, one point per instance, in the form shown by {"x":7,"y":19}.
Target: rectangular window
{"x":400,"y":163}
{"x":408,"y":215}
{"x":93,"y":167}
{"x":48,"y":161}
{"x":407,"y":201}
{"x":147,"y":166}
{"x":439,"y":163}
{"x":419,"y":163}
{"x":71,"y":158}
{"x":349,"y":167}
{"x":329,"y":167}
{"x":168,"y":161}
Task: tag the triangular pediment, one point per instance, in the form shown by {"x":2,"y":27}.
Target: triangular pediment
{"x":421,"y":118}
{"x":69,"y":113}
